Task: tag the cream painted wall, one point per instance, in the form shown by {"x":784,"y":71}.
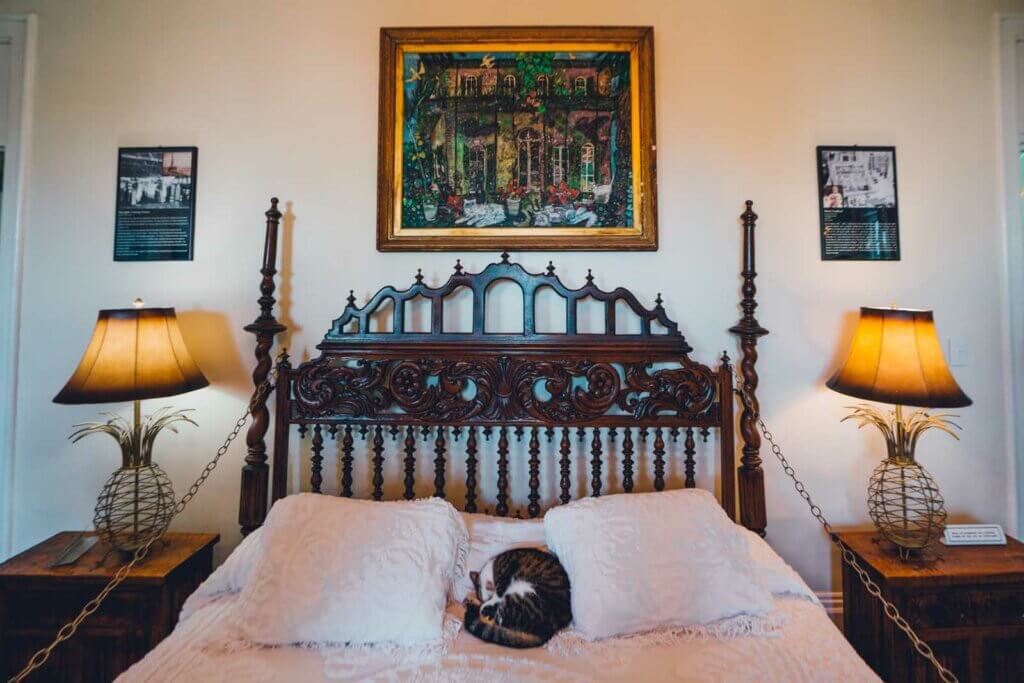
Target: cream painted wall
{"x":280,"y":98}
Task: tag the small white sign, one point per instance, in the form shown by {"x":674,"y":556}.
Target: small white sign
{"x":974,"y":534}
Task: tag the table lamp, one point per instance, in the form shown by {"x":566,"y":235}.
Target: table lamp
{"x":134,"y":354}
{"x":896,"y":358}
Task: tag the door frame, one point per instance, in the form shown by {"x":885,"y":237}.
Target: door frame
{"x":21,"y":31}
{"x":1010,"y":32}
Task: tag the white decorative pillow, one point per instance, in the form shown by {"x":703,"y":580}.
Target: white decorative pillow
{"x":642,"y":561}
{"x":336,"y":570}
{"x":490,"y":536}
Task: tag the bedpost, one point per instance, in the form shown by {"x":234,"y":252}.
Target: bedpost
{"x":751,"y":476}
{"x":252,"y":506}
{"x":728,"y":446}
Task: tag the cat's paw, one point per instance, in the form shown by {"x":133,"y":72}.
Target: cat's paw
{"x":471,"y":599}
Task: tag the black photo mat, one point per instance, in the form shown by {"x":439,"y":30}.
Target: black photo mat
{"x":858,"y":204}
{"x":156,"y":203}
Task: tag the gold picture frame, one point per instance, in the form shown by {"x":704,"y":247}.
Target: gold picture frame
{"x":518,"y":138}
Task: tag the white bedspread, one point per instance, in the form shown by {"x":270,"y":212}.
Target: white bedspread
{"x":808,"y":647}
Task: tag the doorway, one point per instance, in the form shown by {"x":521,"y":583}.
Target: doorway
{"x":1011,"y":52}
{"x":17,"y":38}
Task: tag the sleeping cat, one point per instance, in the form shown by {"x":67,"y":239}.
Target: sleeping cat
{"x":521,"y":599}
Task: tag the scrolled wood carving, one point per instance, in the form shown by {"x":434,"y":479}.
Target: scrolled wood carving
{"x":499,"y":389}
{"x":688,"y":390}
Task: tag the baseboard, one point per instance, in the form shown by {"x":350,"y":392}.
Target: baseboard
{"x":832,"y":601}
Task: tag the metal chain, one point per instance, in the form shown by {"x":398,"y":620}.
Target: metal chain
{"x":849,"y":558}
{"x":69,"y":629}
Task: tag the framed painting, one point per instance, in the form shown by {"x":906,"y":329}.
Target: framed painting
{"x":517,"y":138}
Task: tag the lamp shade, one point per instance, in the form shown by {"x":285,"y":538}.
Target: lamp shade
{"x":134,"y":353}
{"x":896,"y":358}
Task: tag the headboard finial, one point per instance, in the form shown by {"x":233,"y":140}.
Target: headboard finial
{"x":504,"y":257}
{"x":273,"y":212}
{"x":659,"y":301}
{"x":550,"y":270}
{"x":590,"y":277}
{"x":351,"y":297}
{"x":458,"y":266}
{"x":419,"y":276}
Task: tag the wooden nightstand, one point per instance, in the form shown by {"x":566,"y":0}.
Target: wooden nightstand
{"x":36,"y":600}
{"x":968,"y":604}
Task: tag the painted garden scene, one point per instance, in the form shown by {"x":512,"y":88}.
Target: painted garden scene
{"x":516,"y":139}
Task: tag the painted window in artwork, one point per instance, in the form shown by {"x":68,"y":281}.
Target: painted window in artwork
{"x":542,"y":85}
{"x":581,"y":85}
{"x":587,"y":168}
{"x":476,"y":170}
{"x":510,"y":83}
{"x":557,"y":164}
{"x":529,"y":159}
{"x":470,"y":86}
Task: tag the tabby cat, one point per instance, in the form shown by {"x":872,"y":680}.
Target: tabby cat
{"x":521,"y":599}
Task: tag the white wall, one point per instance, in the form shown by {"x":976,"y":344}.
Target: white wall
{"x":280,"y":98}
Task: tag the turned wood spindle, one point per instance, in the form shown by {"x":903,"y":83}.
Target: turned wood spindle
{"x":690,"y":464}
{"x":410,"y":463}
{"x":378,"y":463}
{"x":346,"y":462}
{"x":502,"y":502}
{"x":595,"y":463}
{"x":317,"y":477}
{"x":534,"y":507}
{"x":565,"y":449}
{"x":439,"y":463}
{"x":659,"y":460}
{"x":627,"y":460}
{"x":471,"y":470}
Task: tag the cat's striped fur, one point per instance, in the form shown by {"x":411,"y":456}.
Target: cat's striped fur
{"x":521,"y":599}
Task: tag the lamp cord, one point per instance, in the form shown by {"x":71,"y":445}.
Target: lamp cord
{"x":69,"y":629}
{"x":891,"y":612}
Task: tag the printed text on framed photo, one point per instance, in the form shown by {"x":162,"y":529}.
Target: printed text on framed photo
{"x":858,"y":204}
{"x":156,"y":204}
{"x":516,"y":138}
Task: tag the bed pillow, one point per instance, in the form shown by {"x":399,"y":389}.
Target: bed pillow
{"x":641,"y":561}
{"x":490,"y":536}
{"x":335,"y":570}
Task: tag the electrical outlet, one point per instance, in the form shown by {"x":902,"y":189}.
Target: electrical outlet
{"x":956,"y":351}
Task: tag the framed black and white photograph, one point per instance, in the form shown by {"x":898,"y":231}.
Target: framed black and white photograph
{"x":156,"y":203}
{"x":858,"y":204}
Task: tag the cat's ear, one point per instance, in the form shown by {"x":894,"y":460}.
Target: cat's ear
{"x":475,"y":578}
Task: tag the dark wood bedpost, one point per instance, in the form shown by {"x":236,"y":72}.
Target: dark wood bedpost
{"x":751,"y":476}
{"x":252,"y":506}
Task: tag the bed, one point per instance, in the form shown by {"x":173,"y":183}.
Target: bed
{"x":387,"y":412}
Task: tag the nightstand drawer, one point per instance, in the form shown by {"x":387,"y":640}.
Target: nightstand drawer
{"x":966,"y":607}
{"x":997,"y":606}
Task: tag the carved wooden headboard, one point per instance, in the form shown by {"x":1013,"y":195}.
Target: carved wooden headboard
{"x":371,"y":387}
